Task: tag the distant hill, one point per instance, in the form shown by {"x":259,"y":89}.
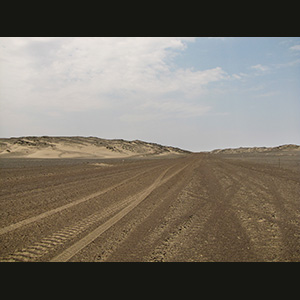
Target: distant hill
{"x":277,"y":149}
{"x":81,"y":147}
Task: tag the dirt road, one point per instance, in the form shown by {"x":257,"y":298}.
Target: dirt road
{"x":198,"y":207}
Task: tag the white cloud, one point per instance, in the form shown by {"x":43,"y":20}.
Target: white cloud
{"x":75,"y":73}
{"x":52,"y":82}
{"x":236,"y":76}
{"x":268,"y":94}
{"x":295,"y":48}
{"x":260,"y":67}
{"x":179,"y":108}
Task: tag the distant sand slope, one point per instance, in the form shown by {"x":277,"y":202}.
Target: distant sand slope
{"x":80,"y":147}
{"x":282,"y":148}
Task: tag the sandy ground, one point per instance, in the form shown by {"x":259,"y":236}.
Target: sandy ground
{"x":196,"y":207}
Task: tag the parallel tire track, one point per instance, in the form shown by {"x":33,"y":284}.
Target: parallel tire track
{"x":66,"y":206}
{"x":51,"y":184}
{"x":52,"y":242}
{"x":133,"y":200}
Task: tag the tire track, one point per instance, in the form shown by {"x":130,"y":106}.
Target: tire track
{"x":133,"y":202}
{"x":53,"y":241}
{"x":48,"y":213}
{"x":270,"y":220}
{"x":202,"y":225}
{"x":50,"y":243}
{"x":18,"y":206}
{"x":135,"y":230}
{"x":64,"y":182}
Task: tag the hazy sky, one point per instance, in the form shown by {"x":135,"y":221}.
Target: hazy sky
{"x":193,"y":93}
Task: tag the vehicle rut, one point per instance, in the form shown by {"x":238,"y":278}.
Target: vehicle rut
{"x":66,"y":206}
{"x":133,"y":202}
{"x":198,"y":207}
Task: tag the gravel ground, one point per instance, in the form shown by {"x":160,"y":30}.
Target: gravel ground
{"x":197,"y":207}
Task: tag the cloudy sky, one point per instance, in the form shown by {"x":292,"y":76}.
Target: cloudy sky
{"x":195,"y":93}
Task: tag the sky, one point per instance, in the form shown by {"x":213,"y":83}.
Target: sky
{"x":197,"y":94}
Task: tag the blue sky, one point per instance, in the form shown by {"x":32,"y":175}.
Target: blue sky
{"x":195,"y":93}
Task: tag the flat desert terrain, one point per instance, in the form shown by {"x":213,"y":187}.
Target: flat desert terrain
{"x":190,"y":207}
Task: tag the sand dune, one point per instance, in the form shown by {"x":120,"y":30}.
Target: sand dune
{"x":93,"y":147}
{"x":273,"y":150}
{"x":80,"y":147}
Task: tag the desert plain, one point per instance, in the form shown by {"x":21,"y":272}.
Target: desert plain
{"x":95,"y":200}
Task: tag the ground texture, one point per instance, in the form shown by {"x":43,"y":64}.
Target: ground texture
{"x":196,"y":207}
